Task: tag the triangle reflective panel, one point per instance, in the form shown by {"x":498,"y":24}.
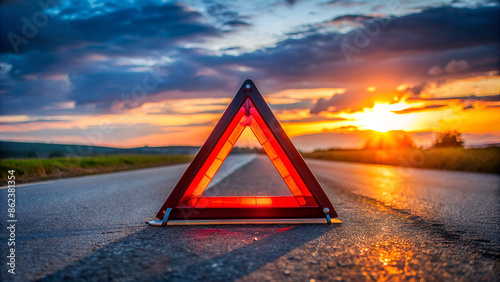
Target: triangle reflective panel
{"x":308,"y":203}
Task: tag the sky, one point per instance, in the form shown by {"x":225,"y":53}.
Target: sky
{"x":157,"y":73}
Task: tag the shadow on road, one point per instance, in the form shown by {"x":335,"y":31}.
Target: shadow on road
{"x":192,"y":252}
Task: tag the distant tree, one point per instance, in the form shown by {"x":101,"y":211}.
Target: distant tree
{"x":449,"y":139}
{"x":32,"y":154}
{"x":56,"y":154}
{"x":259,"y":151}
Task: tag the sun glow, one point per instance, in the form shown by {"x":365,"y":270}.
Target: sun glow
{"x":381,"y":118}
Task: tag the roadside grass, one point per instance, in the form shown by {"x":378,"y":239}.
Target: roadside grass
{"x":485,"y":160}
{"x":30,"y":170}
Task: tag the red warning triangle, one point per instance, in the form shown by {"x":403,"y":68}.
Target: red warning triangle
{"x":187,"y":205}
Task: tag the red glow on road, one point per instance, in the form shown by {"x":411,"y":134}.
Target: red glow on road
{"x":285,"y":228}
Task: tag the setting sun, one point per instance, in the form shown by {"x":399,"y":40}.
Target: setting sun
{"x":381,"y":118}
{"x":378,"y":118}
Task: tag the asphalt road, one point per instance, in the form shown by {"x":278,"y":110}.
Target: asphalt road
{"x":397,"y":224}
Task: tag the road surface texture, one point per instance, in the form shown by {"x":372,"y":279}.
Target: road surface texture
{"x":398,"y":224}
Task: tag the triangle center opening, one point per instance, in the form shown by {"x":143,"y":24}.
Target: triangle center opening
{"x":247,"y":118}
{"x":246,"y":172}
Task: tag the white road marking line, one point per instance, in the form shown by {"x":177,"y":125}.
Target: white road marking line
{"x":229,"y":166}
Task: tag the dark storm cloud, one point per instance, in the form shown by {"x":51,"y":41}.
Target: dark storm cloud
{"x":443,"y":28}
{"x":406,"y":47}
{"x":65,"y":46}
{"x":133,"y":26}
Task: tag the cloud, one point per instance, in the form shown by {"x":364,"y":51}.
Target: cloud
{"x":315,"y":118}
{"x":91,"y":57}
{"x":468,"y":102}
{"x":435,"y":70}
{"x":163,"y":24}
{"x":237,"y":23}
{"x":32,"y":121}
{"x":414,"y":40}
{"x":419,"y":109}
{"x":343,"y":102}
{"x":98,"y":65}
{"x":457,"y":66}
{"x":225,"y":14}
{"x":302,"y":104}
{"x":344,"y":3}
{"x":291,"y":2}
{"x":113,"y":133}
{"x":417,"y":89}
{"x":488,"y":98}
{"x":350,"y":19}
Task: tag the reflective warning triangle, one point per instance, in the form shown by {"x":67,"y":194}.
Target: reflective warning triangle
{"x":187,"y":205}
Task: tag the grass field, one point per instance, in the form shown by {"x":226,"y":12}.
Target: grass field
{"x":475,"y":160}
{"x":29,"y":170}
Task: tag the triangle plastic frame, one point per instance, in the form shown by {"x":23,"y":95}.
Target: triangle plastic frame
{"x":186,"y":204}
